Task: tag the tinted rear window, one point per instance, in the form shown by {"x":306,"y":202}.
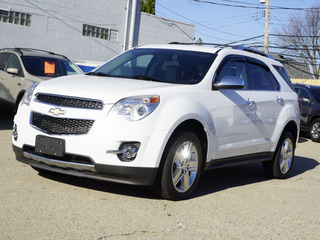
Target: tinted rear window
{"x":316,"y":94}
{"x":49,"y":67}
{"x":3,"y":60}
{"x":282,"y":71}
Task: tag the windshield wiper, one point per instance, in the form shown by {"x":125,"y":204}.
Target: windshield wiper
{"x":98,"y":74}
{"x":147,"y":78}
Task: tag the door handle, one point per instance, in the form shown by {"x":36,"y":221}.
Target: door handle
{"x":250,"y":102}
{"x":279,"y":99}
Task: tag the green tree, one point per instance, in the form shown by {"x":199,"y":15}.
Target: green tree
{"x":199,"y":41}
{"x":148,"y":6}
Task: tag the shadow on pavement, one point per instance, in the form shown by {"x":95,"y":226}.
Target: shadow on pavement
{"x":6,"y":118}
{"x":211,"y":182}
{"x":103,"y":186}
{"x":221,"y":179}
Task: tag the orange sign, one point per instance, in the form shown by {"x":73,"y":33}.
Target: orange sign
{"x":49,"y":67}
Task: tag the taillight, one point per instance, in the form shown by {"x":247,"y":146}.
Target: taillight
{"x":299,"y":102}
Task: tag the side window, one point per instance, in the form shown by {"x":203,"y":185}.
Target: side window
{"x":262,"y":78}
{"x":304,"y":94}
{"x":3,"y":60}
{"x":13,"y":62}
{"x":235,"y":69}
{"x":282,"y":71}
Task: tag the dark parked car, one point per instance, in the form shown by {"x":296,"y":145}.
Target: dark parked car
{"x":310,"y":109}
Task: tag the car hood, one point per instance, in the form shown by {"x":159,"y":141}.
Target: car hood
{"x":107,"y":89}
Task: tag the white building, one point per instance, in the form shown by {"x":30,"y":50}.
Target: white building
{"x":93,"y":30}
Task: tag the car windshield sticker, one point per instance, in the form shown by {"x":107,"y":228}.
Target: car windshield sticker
{"x":49,"y":67}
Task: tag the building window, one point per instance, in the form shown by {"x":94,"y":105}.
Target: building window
{"x":114,"y":35}
{"x":96,"y":32}
{"x":13,"y":17}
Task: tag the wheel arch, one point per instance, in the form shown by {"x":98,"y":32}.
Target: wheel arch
{"x":19,"y":98}
{"x":312,"y":118}
{"x":293,"y":128}
{"x":192,"y":125}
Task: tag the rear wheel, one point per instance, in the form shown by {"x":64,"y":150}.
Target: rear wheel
{"x":282,"y":161}
{"x":315,"y":130}
{"x":182,"y":167}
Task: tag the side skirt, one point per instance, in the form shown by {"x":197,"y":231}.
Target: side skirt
{"x":239,"y":160}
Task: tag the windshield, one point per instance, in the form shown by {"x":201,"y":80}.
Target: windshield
{"x":164,"y":65}
{"x":49,"y":67}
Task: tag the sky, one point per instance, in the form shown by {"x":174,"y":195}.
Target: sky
{"x":221,"y":24}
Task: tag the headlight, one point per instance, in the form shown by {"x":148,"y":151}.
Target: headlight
{"x":28,"y":94}
{"x":135,"y":108}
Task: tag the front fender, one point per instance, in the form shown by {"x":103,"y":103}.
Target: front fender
{"x":170,"y":115}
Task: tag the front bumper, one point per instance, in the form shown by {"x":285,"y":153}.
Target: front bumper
{"x":118,"y":174}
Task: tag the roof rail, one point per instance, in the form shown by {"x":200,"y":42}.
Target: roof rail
{"x":34,"y":49}
{"x":231,"y":46}
{"x":253,"y":51}
{"x":202,"y":44}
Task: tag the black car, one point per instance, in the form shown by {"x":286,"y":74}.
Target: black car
{"x":310,"y":109}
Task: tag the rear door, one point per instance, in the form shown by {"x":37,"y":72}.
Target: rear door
{"x":269,"y":102}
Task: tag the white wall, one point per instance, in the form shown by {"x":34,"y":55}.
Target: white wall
{"x":154,"y":29}
{"x":57,"y":25}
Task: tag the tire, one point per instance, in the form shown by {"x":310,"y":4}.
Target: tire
{"x":281,"y":164}
{"x":314,"y":130}
{"x":182,"y":167}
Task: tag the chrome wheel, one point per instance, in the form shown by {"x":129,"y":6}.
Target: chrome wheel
{"x":281,"y":164}
{"x":185,"y":166}
{"x":315,"y":131}
{"x":286,"y":156}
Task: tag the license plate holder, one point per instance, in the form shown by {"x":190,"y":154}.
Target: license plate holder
{"x":50,"y":146}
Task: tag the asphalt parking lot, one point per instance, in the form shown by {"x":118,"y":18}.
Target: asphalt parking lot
{"x":231,"y":203}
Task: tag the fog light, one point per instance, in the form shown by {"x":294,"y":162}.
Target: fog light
{"x":15,"y":132}
{"x":128,"y":151}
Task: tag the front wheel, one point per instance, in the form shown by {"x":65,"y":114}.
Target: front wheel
{"x":182,"y":167}
{"x":281,"y":164}
{"x":315,"y":130}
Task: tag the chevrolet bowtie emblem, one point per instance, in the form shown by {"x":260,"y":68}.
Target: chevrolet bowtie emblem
{"x":56,"y":111}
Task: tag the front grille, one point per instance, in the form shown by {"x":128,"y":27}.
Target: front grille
{"x":52,"y":125}
{"x":69,"y":101}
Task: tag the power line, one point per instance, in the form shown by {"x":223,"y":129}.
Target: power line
{"x":293,"y":36}
{"x":255,"y":7}
{"x":197,"y":22}
{"x":244,"y":40}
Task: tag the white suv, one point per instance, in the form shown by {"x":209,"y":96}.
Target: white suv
{"x":161,"y":115}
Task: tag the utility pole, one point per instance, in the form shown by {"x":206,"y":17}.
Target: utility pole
{"x":266,"y":27}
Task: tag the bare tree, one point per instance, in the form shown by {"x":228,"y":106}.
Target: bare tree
{"x":302,"y":36}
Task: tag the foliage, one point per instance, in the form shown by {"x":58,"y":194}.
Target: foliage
{"x":199,"y":41}
{"x":148,"y":6}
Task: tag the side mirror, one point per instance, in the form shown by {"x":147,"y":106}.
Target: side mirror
{"x":229,"y":82}
{"x":14,"y":71}
{"x":305,"y":100}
